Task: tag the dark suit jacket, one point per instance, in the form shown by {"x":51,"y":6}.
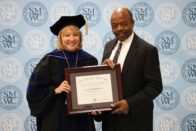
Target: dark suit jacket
{"x":141,"y":83}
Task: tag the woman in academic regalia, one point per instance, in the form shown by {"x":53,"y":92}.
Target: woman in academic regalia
{"x":47,"y":88}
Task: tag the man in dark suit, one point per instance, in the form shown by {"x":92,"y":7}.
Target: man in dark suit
{"x":141,"y":77}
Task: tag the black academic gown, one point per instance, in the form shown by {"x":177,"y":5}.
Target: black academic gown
{"x":49,"y":108}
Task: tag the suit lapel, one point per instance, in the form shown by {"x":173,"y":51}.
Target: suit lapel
{"x":110,"y":48}
{"x":131,"y":54}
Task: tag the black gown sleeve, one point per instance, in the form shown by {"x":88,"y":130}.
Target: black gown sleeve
{"x":40,"y":91}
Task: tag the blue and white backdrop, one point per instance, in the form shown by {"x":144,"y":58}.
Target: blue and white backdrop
{"x":168,"y":24}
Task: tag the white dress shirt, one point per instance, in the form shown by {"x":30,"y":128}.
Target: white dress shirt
{"x":124,"y":50}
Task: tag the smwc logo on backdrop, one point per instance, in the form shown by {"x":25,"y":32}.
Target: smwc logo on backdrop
{"x":91,"y":12}
{"x":92,"y":43}
{"x":189,"y":123}
{"x":166,"y":122}
{"x":36,"y":42}
{"x":167,"y":15}
{"x":189,"y":14}
{"x":189,"y":70}
{"x":10,"y":122}
{"x":10,"y":13}
{"x":60,"y":9}
{"x":10,"y":41}
{"x":10,"y":97}
{"x":143,"y":14}
{"x":189,"y":98}
{"x":189,"y":43}
{"x":30,"y":124}
{"x":10,"y":69}
{"x":170,"y":70}
{"x":108,"y":10}
{"x":35,"y":14}
{"x":168,"y":99}
{"x":30,"y":65}
{"x":109,"y":36}
{"x":167,"y":42}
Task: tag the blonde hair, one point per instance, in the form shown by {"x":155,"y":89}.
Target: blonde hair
{"x":59,"y":45}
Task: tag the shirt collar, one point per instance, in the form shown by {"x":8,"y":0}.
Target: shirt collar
{"x":128,"y":40}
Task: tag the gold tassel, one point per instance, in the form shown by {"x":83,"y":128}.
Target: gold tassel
{"x":86,"y":26}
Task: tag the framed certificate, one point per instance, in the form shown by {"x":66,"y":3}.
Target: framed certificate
{"x":93,"y":88}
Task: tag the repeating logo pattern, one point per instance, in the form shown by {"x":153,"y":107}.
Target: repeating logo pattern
{"x":189,"y":98}
{"x":10,"y":13}
{"x":91,"y":12}
{"x":107,"y":11}
{"x":10,"y":122}
{"x":30,"y":65}
{"x":143,"y":14}
{"x":166,"y":122}
{"x":189,"y":69}
{"x":36,"y":42}
{"x":35,"y":14}
{"x":10,"y":97}
{"x":170,"y":70}
{"x":189,"y":14}
{"x":167,"y":42}
{"x":188,"y":123}
{"x":146,"y":36}
{"x":10,"y":41}
{"x":189,"y":43}
{"x":92,"y":43}
{"x":168,"y":99}
{"x":60,"y":9}
{"x":30,"y":124}
{"x":167,"y":15}
{"x":109,"y":36}
{"x":10,"y":69}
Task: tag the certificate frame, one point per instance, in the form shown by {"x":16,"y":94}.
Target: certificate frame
{"x":113,"y":77}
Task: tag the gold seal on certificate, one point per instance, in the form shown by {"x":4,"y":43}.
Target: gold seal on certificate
{"x":93,"y":88}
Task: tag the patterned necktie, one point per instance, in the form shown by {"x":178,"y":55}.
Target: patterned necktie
{"x":117,"y":53}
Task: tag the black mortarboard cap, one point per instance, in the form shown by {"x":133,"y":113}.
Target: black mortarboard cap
{"x":77,"y":20}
